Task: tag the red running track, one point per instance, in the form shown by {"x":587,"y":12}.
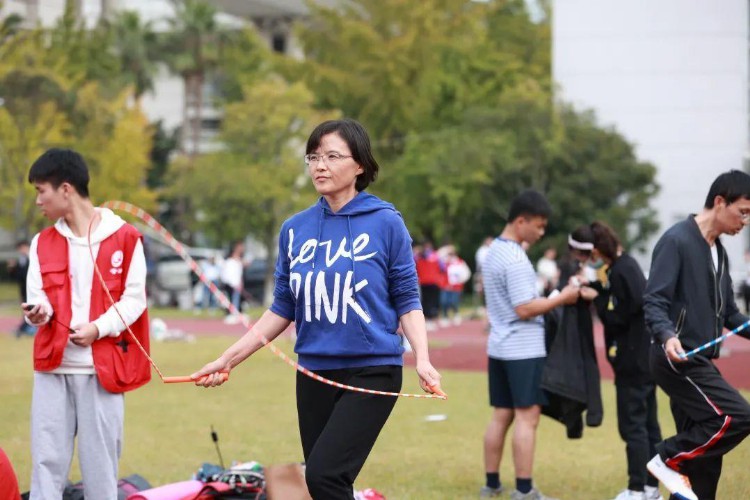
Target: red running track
{"x":462,"y":347}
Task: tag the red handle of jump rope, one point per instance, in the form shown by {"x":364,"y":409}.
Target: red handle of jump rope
{"x":177,"y":380}
{"x":435,"y":389}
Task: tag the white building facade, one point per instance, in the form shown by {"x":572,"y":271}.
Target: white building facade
{"x":672,"y":77}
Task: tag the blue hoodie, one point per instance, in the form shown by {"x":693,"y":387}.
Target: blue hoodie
{"x":346,"y":310}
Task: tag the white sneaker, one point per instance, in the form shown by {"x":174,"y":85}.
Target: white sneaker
{"x":487,"y":492}
{"x":676,"y":483}
{"x":652,"y":493}
{"x":231,"y":319}
{"x":630,"y":495}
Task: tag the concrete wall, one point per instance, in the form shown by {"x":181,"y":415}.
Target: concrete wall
{"x":672,"y":76}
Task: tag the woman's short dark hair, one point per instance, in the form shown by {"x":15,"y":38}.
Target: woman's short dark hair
{"x":731,"y":186}
{"x":57,"y":166}
{"x":606,"y":240}
{"x":355,"y":136}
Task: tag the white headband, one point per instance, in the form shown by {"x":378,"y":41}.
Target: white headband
{"x":580,"y":245}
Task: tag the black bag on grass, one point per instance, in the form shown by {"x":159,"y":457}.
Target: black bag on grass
{"x":125,"y":487}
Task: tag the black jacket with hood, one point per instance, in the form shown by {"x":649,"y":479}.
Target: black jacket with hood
{"x":685,"y":295}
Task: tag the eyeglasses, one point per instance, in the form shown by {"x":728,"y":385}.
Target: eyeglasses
{"x":743,"y":213}
{"x":327,"y":158}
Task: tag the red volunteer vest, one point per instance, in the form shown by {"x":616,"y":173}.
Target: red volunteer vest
{"x":120,"y":366}
{"x":428,"y":269}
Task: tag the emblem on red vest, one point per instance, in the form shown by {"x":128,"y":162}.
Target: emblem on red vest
{"x":116,"y":262}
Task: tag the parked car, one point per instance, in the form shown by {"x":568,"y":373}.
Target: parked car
{"x":173,"y":279}
{"x":253,"y":280}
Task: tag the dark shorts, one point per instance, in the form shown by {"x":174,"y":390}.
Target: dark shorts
{"x":516,"y":383}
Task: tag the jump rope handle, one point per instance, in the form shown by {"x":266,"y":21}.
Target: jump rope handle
{"x":435,"y":389}
{"x":178,"y":380}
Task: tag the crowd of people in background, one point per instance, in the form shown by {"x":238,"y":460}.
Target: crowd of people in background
{"x":442,"y":274}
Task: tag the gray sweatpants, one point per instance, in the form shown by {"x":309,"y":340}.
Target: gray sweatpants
{"x":66,"y":406}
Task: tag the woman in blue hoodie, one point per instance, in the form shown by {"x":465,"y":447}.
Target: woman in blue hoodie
{"x":345,"y":275}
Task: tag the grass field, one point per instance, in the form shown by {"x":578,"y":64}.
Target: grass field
{"x":167,"y":431}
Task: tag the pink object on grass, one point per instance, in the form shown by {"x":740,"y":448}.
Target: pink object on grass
{"x":169,"y":491}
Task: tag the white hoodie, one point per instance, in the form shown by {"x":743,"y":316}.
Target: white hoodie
{"x":132,"y":303}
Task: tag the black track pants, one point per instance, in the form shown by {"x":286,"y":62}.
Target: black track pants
{"x":638,"y":425}
{"x":710,"y":415}
{"x":339,"y":427}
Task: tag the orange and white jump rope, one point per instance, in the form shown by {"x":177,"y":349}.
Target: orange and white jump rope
{"x":151,"y":222}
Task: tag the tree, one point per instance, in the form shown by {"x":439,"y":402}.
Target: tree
{"x":9,"y":26}
{"x":259,"y":179}
{"x":193,"y":50}
{"x":115,"y":139}
{"x":457,"y":184}
{"x":81,"y":50}
{"x":458,"y":97}
{"x":49,"y":102}
{"x":244,"y":62}
{"x":401,"y":67}
{"x":32,"y":118}
{"x":135,"y":44}
{"x":22,"y":141}
{"x":163,"y":144}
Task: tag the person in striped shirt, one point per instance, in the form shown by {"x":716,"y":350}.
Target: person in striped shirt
{"x":515,"y":346}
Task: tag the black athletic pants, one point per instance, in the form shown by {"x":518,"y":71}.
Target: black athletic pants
{"x":339,"y":427}
{"x":638,"y":425}
{"x":710,"y":415}
{"x":430,"y":301}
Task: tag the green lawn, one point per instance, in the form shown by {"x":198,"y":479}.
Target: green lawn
{"x":167,"y":433}
{"x":9,"y":295}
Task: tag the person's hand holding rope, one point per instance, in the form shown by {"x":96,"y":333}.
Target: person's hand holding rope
{"x":674,"y":350}
{"x":429,"y":378}
{"x":212,"y":374}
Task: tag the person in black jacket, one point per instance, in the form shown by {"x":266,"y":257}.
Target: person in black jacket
{"x":571,"y":377}
{"x":18,"y":269}
{"x":689,"y":300}
{"x":620,"y":309}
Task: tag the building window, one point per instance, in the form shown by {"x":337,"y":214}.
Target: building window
{"x":278,"y":42}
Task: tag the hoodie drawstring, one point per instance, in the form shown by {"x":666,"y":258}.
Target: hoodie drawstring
{"x":351,"y":253}
{"x":320,"y":233}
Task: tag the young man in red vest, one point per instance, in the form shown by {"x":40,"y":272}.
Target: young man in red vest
{"x":84,"y":357}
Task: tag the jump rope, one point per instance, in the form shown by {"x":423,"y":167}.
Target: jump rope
{"x":715,"y":341}
{"x":152,"y":223}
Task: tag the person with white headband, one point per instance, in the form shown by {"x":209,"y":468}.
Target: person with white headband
{"x":619,"y":306}
{"x":578,"y":263}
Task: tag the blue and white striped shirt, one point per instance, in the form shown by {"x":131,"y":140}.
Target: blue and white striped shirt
{"x":509,"y":281}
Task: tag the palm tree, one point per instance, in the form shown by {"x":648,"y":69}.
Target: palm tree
{"x":193,"y":48}
{"x":135,"y":44}
{"x":9,"y":26}
{"x":77,"y":6}
{"x":108,"y":9}
{"x":32,"y":12}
